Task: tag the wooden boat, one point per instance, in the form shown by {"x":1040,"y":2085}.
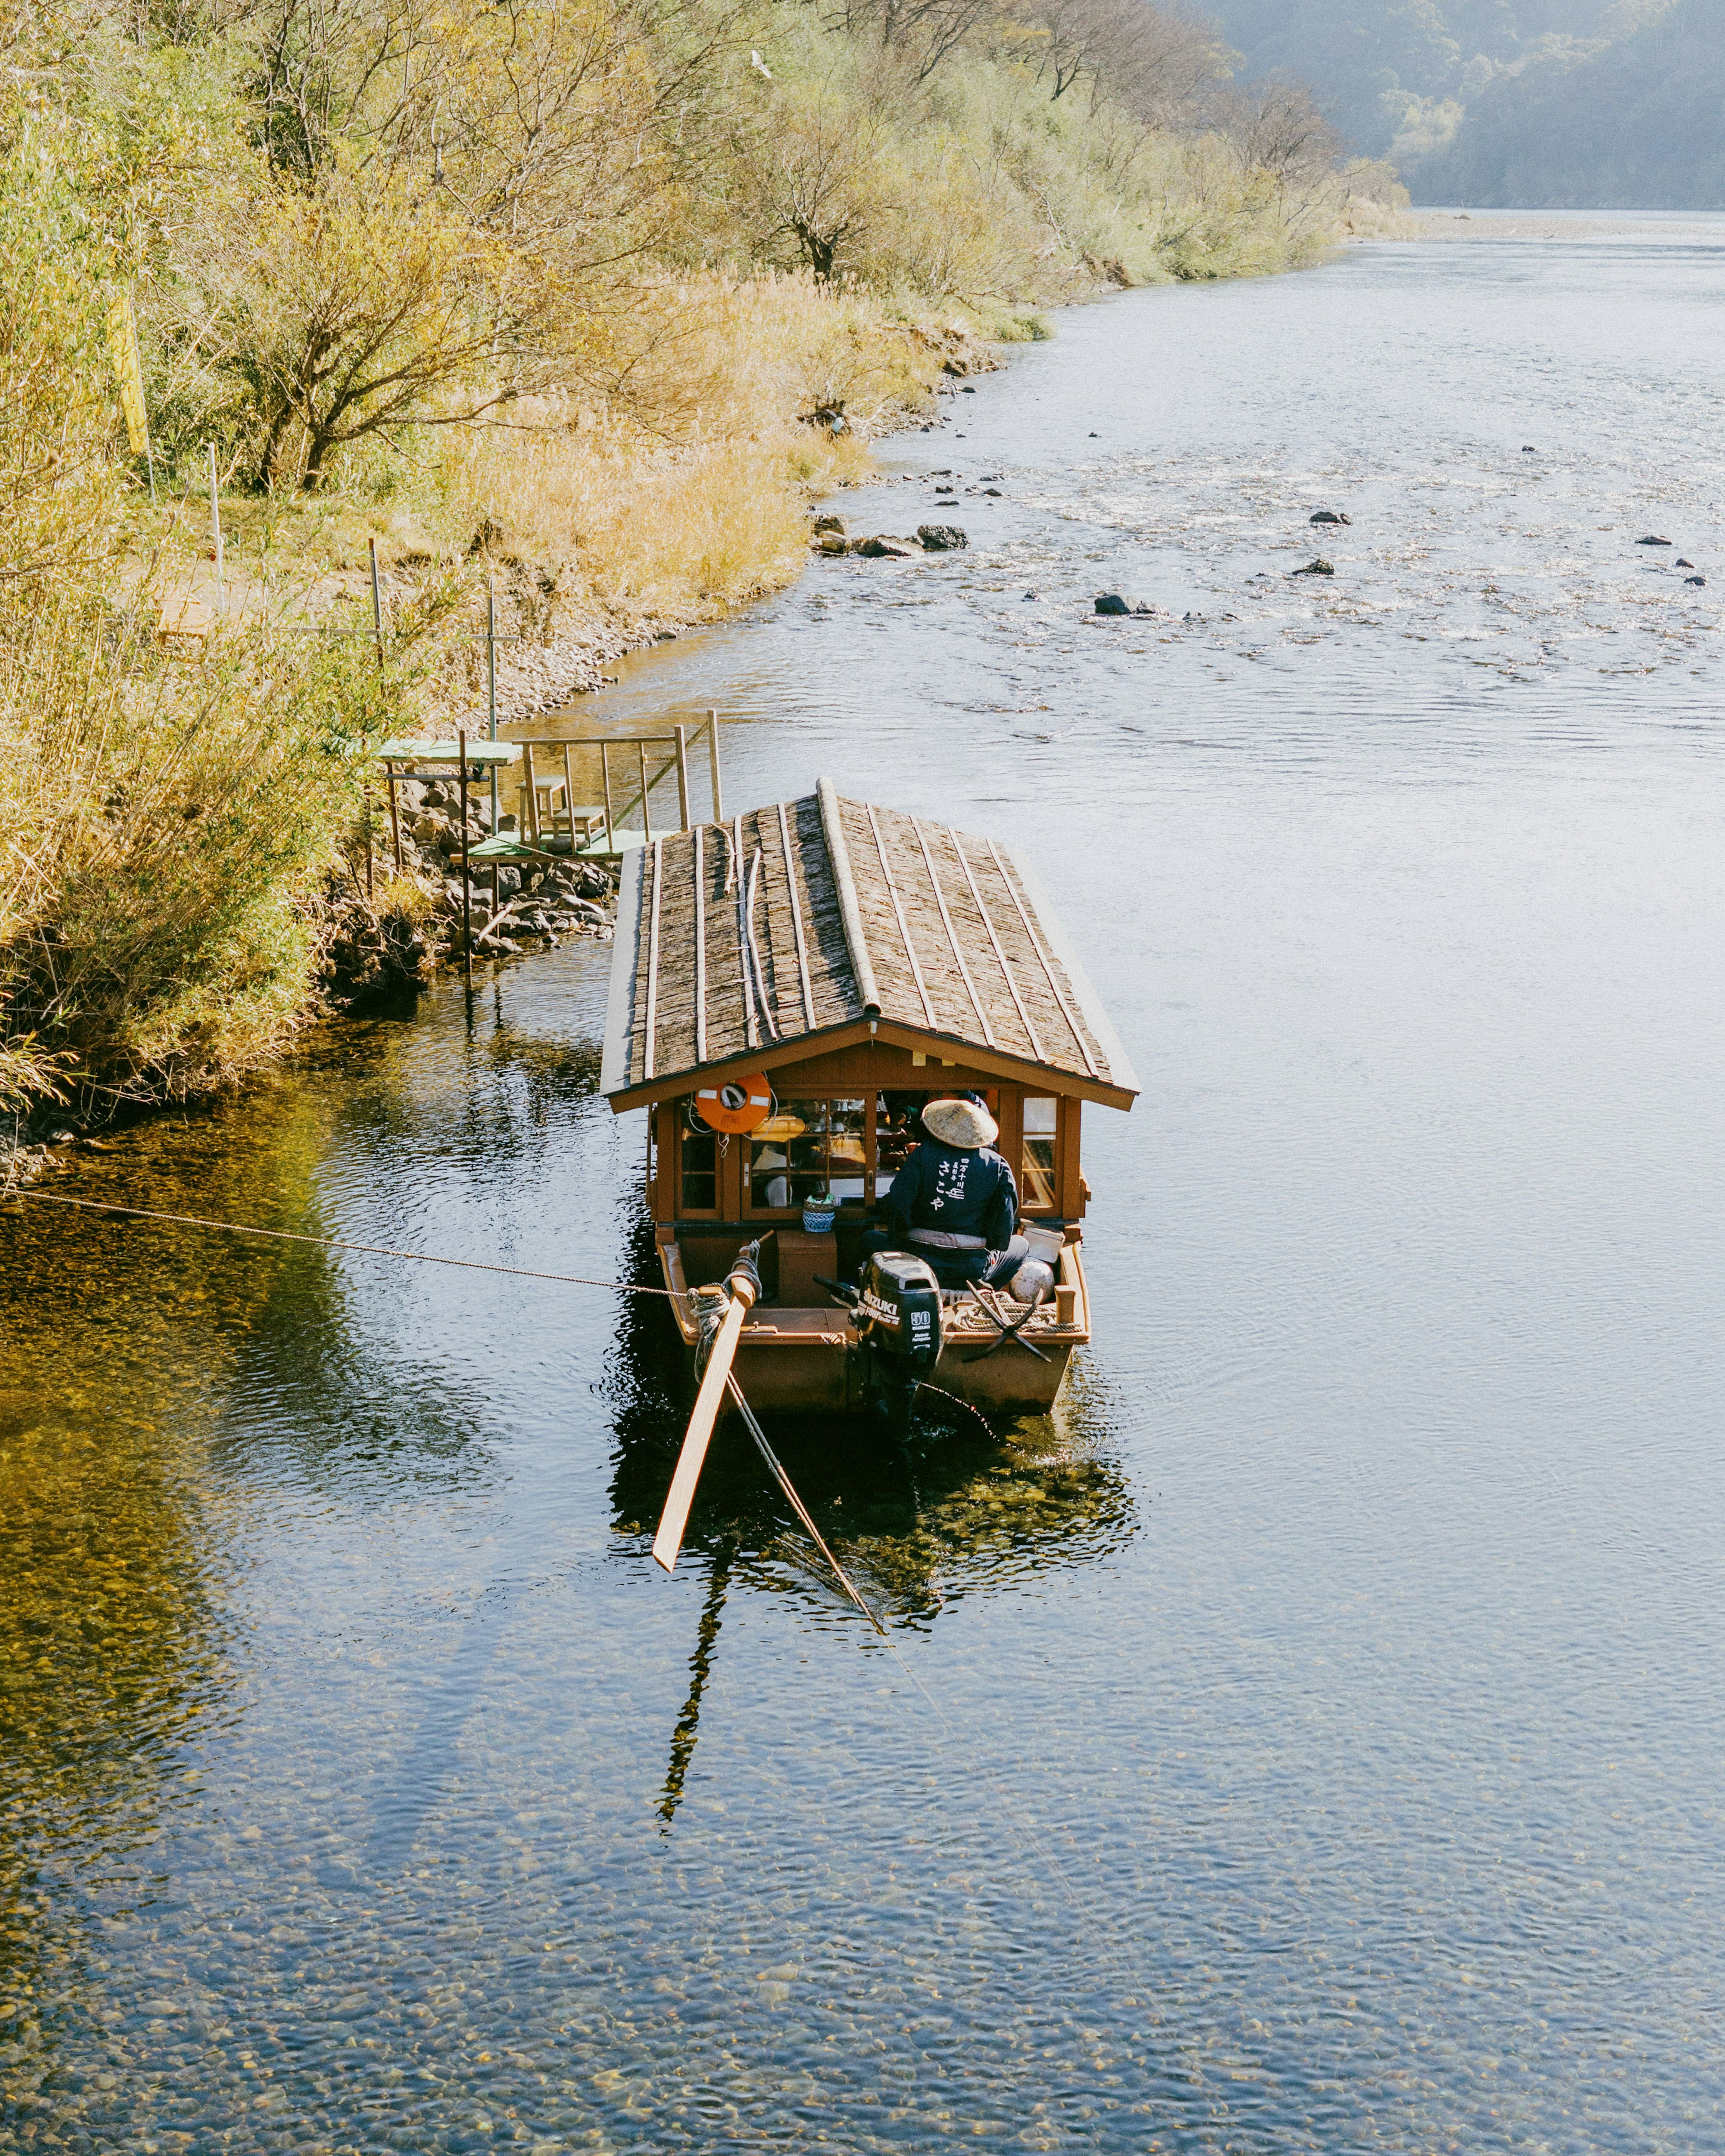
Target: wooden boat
{"x":825,"y":966}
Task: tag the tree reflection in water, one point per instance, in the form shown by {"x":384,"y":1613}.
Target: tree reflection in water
{"x":114,"y":1652}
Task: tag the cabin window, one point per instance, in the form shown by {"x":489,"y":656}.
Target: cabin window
{"x":897,"y":1134}
{"x":697,"y":1163}
{"x":1041,"y":1177}
{"x":804,"y":1149}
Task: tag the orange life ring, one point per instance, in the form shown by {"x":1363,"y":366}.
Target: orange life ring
{"x":737,"y":1106}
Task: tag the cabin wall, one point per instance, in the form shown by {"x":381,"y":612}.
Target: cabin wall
{"x":1054,"y":1190}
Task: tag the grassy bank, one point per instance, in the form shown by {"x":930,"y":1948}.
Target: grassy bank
{"x":586,"y":302}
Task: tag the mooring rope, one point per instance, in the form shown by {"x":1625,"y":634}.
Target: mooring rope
{"x":336,"y":1242}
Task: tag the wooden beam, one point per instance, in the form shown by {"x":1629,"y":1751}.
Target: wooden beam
{"x":683,"y":777}
{"x":899,"y":911}
{"x":790,"y":878}
{"x":940,"y":900}
{"x":680,"y":1496}
{"x":994,"y":1063}
{"x":650,"y":1047}
{"x":1000,"y":955}
{"x":700,"y":950}
{"x":1090,"y":1061}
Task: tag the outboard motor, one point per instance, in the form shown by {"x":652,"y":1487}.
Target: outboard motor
{"x":898,"y":1314}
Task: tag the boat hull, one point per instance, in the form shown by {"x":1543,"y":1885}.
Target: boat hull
{"x":799,"y":1361}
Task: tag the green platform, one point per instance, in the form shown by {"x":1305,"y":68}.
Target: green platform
{"x":506,"y":846}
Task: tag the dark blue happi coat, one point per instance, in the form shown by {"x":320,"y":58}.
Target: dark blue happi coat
{"x":959,"y":1193}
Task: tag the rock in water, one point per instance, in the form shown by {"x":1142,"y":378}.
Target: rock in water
{"x":1652,"y":541}
{"x":1111,"y":603}
{"x":1695,"y":580}
{"x":833,"y":542}
{"x":829,"y":524}
{"x":1681,"y":563}
{"x":1329,"y":516}
{"x":1316,"y":567}
{"x":884,"y":549}
{"x":937,"y":538}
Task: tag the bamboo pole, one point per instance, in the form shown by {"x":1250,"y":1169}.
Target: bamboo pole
{"x":376,"y":605}
{"x":680,"y":1496}
{"x":215,"y":524}
{"x":491,"y":682}
{"x":466,"y":873}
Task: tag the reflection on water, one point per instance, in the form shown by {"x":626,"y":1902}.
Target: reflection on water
{"x":1301,"y":1741}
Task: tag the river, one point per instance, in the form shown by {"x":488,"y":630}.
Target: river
{"x":1311,"y":1737}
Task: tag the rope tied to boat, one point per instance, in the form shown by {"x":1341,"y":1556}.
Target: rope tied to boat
{"x":339,"y":1243}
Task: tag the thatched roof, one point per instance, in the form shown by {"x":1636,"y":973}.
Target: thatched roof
{"x":737,"y":942}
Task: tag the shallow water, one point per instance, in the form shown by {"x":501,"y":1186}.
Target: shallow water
{"x":1311,"y":1739}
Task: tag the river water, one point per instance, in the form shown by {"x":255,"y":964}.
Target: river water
{"x":1309,"y":1739}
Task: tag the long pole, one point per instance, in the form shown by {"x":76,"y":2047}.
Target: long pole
{"x":708,"y":1400}
{"x":376,"y":605}
{"x":492,"y":674}
{"x":683,"y":777}
{"x":610,"y":815}
{"x":713,"y":750}
{"x":646,"y":813}
{"x":466,"y":876}
{"x":377,"y":637}
{"x":215,"y":521}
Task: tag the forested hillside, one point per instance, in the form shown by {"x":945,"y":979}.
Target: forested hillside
{"x":1538,"y":103}
{"x":1639,"y":124}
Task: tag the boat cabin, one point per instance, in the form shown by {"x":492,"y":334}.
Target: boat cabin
{"x":786,"y":990}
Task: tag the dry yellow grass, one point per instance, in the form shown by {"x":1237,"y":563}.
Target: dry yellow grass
{"x":682,"y":491}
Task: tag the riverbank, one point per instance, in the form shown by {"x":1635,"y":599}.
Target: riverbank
{"x":605,"y":415}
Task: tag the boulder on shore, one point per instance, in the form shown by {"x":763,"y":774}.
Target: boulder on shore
{"x":827,"y":524}
{"x":938,"y":538}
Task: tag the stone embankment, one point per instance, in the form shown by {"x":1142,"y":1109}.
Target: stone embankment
{"x":375,"y":946}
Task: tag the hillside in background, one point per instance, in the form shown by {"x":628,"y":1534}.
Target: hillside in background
{"x":1638,"y":124}
{"x":1524,"y":103}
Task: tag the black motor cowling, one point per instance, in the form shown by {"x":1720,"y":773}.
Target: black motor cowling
{"x":898,"y":1314}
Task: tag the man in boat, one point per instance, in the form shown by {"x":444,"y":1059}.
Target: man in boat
{"x":954,"y":1202}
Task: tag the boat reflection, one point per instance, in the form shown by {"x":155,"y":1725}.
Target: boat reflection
{"x":964,"y":1510}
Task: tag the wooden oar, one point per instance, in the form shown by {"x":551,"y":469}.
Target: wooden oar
{"x":745,"y":1285}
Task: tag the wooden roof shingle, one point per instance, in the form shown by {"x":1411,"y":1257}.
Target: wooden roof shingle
{"x":796,"y":921}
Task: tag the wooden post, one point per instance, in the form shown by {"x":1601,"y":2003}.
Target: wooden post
{"x":646,"y":813}
{"x":532,"y":795}
{"x":394,"y":818}
{"x":215,"y":524}
{"x":683,"y":777}
{"x":466,"y":874}
{"x":569,"y":798}
{"x":610,"y":817}
{"x":377,"y":606}
{"x":713,"y":750}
